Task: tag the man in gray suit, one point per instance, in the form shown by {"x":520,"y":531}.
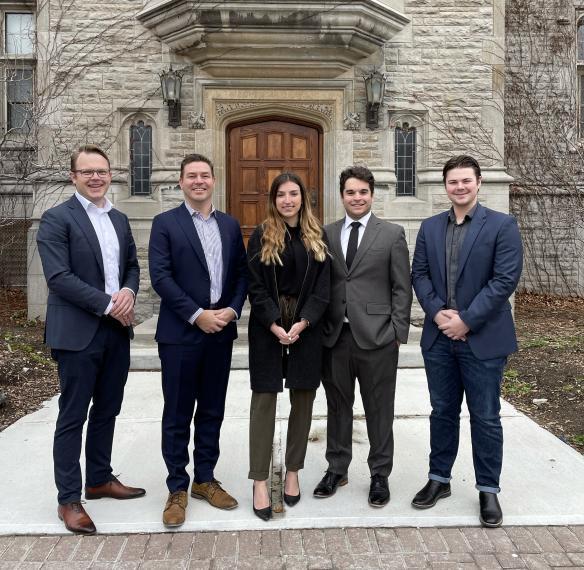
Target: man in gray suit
{"x":367,"y":319}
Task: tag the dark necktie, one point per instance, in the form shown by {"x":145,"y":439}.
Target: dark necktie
{"x":352,"y":245}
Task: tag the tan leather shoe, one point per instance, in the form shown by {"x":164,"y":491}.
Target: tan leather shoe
{"x":214,"y":494}
{"x":75,"y":518}
{"x":174,"y":510}
{"x":113,"y":489}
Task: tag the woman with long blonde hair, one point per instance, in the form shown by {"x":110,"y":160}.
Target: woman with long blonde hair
{"x":289,"y":290}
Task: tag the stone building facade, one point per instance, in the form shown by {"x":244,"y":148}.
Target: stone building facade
{"x":266,"y":86}
{"x":544,"y":139}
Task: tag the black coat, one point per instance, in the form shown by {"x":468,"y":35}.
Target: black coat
{"x":265,"y":351}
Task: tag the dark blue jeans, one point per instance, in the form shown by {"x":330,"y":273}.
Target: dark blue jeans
{"x":452,"y":372}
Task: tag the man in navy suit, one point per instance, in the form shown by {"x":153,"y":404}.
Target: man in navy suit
{"x":466,"y":265}
{"x":198,"y":267}
{"x":89,"y":260}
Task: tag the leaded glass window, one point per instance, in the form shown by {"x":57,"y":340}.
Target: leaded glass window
{"x":405,"y":160}
{"x":140,"y":158}
{"x":19,"y":99}
{"x":18,"y":34}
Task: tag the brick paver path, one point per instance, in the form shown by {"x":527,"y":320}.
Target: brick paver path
{"x":335,"y":548}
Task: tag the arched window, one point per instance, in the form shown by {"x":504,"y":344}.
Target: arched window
{"x":405,"y":160}
{"x":140,"y":158}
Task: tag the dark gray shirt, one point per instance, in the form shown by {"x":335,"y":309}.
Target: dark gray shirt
{"x":455,"y":234}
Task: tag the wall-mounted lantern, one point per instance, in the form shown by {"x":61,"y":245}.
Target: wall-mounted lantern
{"x":171,"y":83}
{"x":374,"y":91}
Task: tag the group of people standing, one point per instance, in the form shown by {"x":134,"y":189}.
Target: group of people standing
{"x":327,"y":304}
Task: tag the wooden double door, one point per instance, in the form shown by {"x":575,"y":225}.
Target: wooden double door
{"x":257,"y":153}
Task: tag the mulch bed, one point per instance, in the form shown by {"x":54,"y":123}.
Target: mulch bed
{"x":545,"y":379}
{"x":28,"y":376}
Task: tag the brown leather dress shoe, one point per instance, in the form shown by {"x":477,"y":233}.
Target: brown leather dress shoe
{"x":174,"y":510}
{"x":75,"y":518}
{"x":214,"y":494}
{"x":113,"y":489}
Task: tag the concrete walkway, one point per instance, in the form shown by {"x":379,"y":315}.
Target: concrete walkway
{"x":542,"y":477}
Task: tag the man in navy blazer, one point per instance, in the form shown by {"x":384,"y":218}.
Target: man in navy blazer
{"x":89,"y":260}
{"x":198,"y":267}
{"x":466,"y":265}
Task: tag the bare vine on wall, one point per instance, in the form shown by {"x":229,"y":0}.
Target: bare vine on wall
{"x":544,"y":151}
{"x":36,"y":154}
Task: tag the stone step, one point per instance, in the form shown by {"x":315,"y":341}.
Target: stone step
{"x":146,"y":357}
{"x":144,"y":333}
{"x":144,"y":352}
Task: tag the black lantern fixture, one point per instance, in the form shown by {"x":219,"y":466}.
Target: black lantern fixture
{"x":171,"y":82}
{"x":374,"y":91}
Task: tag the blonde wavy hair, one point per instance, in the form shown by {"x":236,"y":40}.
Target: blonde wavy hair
{"x":274,"y":227}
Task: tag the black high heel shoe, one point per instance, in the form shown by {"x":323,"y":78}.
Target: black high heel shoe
{"x":266,"y":513}
{"x":291,"y":500}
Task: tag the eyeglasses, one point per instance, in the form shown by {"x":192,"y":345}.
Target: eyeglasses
{"x":102,"y":173}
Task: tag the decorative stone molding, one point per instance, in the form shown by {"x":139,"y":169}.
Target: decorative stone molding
{"x":243,"y":38}
{"x":352,"y":122}
{"x":224,"y":108}
{"x":197,"y":121}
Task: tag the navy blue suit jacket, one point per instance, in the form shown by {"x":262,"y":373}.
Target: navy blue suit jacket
{"x":73,"y":266}
{"x":489,"y":267}
{"x":179,"y":274}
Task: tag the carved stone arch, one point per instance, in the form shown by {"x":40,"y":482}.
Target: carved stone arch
{"x":126,"y":117}
{"x":408,"y":118}
{"x":260,"y":147}
{"x":321,"y":114}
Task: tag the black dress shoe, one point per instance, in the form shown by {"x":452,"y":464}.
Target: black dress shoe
{"x":266,"y":513}
{"x":378,"y":491}
{"x":291,"y":500}
{"x":431,"y":494}
{"x":329,"y":483}
{"x":491,"y":514}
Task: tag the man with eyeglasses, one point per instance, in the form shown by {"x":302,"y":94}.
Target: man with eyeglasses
{"x":90,"y":264}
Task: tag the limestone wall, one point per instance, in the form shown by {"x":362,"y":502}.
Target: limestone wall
{"x":100,"y":73}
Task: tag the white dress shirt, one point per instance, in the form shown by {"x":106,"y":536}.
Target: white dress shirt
{"x":210,"y":238}
{"x":346,"y":231}
{"x":108,"y":243}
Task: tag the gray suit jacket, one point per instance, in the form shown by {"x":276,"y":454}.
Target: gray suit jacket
{"x":376,"y":292}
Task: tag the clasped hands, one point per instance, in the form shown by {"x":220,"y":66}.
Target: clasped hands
{"x":214,"y":320}
{"x":123,"y":307}
{"x":292,"y":335}
{"x":450,"y":323}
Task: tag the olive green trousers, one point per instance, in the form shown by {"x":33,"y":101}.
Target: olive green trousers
{"x":262,"y":424}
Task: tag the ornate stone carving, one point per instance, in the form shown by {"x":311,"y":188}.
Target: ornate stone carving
{"x":197,"y":121}
{"x":224,"y":108}
{"x":322,"y":108}
{"x":352,"y":121}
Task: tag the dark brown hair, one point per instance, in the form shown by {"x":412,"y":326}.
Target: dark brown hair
{"x":461,"y":161}
{"x":358,"y":172}
{"x":195,"y":158}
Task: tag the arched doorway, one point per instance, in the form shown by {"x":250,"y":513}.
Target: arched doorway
{"x":261,"y":149}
